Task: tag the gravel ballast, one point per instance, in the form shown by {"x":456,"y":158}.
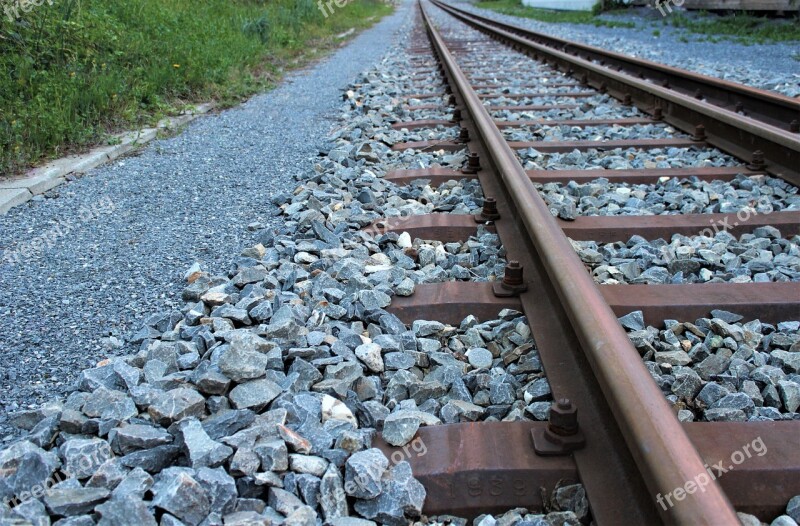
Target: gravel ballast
{"x":721,"y":369}
{"x":764,"y":66}
{"x":761,"y":257}
{"x":256,"y":399}
{"x":102,"y":252}
{"x":259,"y":393}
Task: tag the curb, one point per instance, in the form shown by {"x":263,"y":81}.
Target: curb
{"x":39,"y":180}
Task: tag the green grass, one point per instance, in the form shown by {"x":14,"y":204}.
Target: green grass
{"x":78,"y":70}
{"x":515,"y":8}
{"x":742,"y":28}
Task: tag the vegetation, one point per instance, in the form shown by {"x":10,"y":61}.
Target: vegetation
{"x":742,"y":27}
{"x":75,"y":71}
{"x":515,"y":8}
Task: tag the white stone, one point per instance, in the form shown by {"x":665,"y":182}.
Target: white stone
{"x":333,"y":409}
{"x":404,"y":240}
{"x":370,"y":354}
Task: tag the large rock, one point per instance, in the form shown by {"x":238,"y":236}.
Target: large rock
{"x":221,"y":489}
{"x":302,"y":516}
{"x":74,"y":501}
{"x":307,"y":464}
{"x":332,"y":497}
{"x":363,"y":472}
{"x":108,"y":475}
{"x":139,"y":436}
{"x":424,"y":328}
{"x":240,"y":364}
{"x":210,"y":380}
{"x":23,"y":466}
{"x":479,"y":358}
{"x":31,"y":510}
{"x":401,"y":495}
{"x":82,"y":457}
{"x":400,"y":427}
{"x":177,"y":404}
{"x":282,"y":324}
{"x":152,"y":460}
{"x":254,"y":395}
{"x":134,"y":485}
{"x":793,"y":508}
{"x":633,"y":321}
{"x":201,"y":450}
{"x":30,"y":418}
{"x":176,"y":492}
{"x":105,"y":376}
{"x":247,"y":518}
{"x":283,"y":501}
{"x":109,"y":405}
{"x":274,"y":455}
{"x":228,"y":422}
{"x":790,"y":395}
{"x":308,"y":486}
{"x":374,"y":299}
{"x":122,"y":512}
{"x":294,"y":440}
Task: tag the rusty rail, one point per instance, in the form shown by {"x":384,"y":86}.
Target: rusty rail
{"x":664,"y":454}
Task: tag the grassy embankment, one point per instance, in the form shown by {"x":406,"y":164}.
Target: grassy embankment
{"x":744,"y":28}
{"x":76,"y":71}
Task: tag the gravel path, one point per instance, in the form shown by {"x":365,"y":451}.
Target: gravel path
{"x":766,"y":66}
{"x":113,"y":246}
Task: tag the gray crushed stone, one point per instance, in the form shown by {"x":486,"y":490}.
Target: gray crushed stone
{"x":130,"y":227}
{"x":765,"y":66}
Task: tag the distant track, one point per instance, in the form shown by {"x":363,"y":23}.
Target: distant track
{"x":738,"y":119}
{"x":635,"y":448}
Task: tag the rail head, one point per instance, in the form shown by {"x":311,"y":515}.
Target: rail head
{"x":663,"y":452}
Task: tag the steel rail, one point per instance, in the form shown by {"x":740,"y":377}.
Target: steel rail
{"x":663,"y":452}
{"x":771,"y":108}
{"x":727,"y":130}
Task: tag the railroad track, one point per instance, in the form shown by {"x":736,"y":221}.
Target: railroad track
{"x":626,"y":445}
{"x":737,"y":119}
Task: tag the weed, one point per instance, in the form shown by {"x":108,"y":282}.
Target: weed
{"x":77,"y":71}
{"x":741,"y":27}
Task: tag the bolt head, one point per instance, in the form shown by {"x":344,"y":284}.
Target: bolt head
{"x":564,"y":415}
